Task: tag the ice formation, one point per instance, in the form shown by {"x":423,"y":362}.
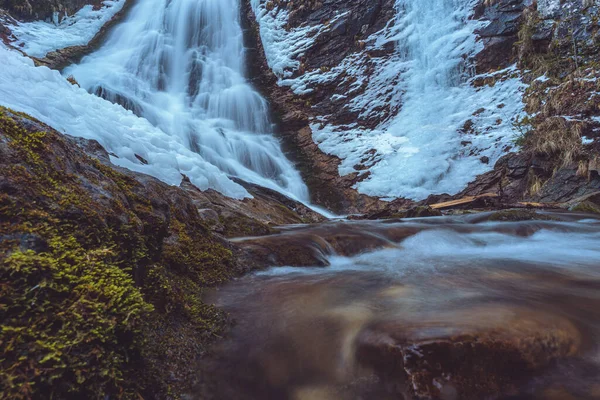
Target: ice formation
{"x":38,"y":38}
{"x":424,"y":147}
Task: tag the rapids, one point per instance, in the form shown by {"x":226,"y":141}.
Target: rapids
{"x":304,"y":333}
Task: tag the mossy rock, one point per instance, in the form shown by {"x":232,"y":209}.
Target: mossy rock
{"x":520,"y":215}
{"x":103,"y":272}
{"x":586,"y":207}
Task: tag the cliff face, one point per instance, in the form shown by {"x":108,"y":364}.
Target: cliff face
{"x":558,"y":53}
{"x":340,"y":85}
{"x":31,"y":10}
{"x":294,"y":112}
{"x":353,"y":91}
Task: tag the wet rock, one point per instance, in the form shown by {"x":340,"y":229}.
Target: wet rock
{"x":520,"y":215}
{"x":391,"y":213}
{"x":469,"y":354}
{"x":312,"y":246}
{"x":586,"y":204}
{"x":254,"y":216}
{"x":296,"y":251}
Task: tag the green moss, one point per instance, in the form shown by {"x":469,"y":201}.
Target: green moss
{"x":587,"y":207}
{"x":70,"y":318}
{"x":206,"y":262}
{"x":101,"y":292}
{"x":520,"y":215}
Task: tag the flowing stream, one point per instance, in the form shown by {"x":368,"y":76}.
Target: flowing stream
{"x":452,"y":308}
{"x":349,"y":330}
{"x":181,"y":65}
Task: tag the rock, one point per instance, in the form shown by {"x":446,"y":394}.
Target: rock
{"x":303,"y":250}
{"x":354,"y":19}
{"x":586,"y":204}
{"x":391,"y":212}
{"x":500,"y":35}
{"x":311,"y":246}
{"x":519,"y":215}
{"x":254,"y":216}
{"x":473,"y":353}
{"x":211,"y":217}
{"x":64,"y":204}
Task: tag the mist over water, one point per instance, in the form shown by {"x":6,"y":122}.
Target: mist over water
{"x":181,"y":65}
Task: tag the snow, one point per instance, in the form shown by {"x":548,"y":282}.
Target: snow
{"x":47,"y":96}
{"x":542,"y":78}
{"x":40,"y":37}
{"x":421,"y":147}
{"x":585,"y":140}
{"x":548,"y":8}
{"x":284,"y":47}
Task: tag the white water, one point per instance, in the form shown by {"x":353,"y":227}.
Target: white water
{"x":180,"y":65}
{"x":444,"y":245}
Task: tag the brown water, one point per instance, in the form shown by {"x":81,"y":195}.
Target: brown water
{"x":451,"y":308}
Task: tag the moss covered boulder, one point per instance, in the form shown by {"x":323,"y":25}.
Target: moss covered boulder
{"x":102,"y":273}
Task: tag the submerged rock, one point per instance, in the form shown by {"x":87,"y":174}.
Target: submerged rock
{"x":467,"y":354}
{"x":391,"y":213}
{"x":586,"y":204}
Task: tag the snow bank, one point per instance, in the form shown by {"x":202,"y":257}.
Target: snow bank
{"x":440,"y":127}
{"x":47,"y":96}
{"x":284,"y":47}
{"x":40,"y":37}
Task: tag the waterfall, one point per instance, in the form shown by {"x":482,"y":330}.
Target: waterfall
{"x":180,"y":65}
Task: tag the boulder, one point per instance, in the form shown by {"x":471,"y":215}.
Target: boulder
{"x":473,"y":353}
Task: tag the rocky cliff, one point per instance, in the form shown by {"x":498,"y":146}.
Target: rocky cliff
{"x":31,"y":10}
{"x":557,"y":53}
{"x":342,"y":85}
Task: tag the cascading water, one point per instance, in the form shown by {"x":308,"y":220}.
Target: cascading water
{"x":180,"y":65}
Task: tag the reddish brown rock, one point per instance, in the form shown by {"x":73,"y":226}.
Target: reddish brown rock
{"x":293,"y":112}
{"x":467,"y":354}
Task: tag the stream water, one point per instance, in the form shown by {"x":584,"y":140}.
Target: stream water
{"x":318,"y":333}
{"x":452,"y":308}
